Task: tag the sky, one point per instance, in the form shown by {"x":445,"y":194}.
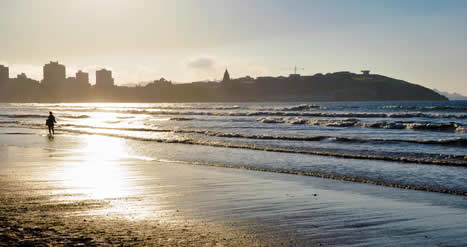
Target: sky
{"x":420,"y":41}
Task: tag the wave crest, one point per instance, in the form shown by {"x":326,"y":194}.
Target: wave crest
{"x":351,"y":122}
{"x":426,"y":108}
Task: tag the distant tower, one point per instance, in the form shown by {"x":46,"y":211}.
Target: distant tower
{"x":226,"y":76}
{"x":295,"y":76}
{"x":54,"y":74}
{"x":82,"y":78}
{"x":104,"y":78}
{"x":4,"y":74}
{"x":366,"y":72}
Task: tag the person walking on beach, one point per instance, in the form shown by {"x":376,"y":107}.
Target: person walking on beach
{"x":50,"y":123}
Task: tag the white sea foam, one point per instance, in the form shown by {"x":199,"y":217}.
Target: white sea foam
{"x":351,"y":122}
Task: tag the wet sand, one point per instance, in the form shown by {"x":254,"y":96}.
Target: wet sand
{"x":47,"y":199}
{"x":69,"y":195}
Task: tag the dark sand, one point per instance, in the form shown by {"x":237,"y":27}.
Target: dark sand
{"x":68,"y":195}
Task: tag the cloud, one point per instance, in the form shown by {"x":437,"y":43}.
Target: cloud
{"x":201,"y":63}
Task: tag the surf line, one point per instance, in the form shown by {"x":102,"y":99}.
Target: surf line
{"x":444,"y":142}
{"x":323,"y":175}
{"x":458,"y":163}
{"x":260,"y":113}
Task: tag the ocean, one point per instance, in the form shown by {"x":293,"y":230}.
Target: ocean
{"x":301,"y":174}
{"x":410,"y":145}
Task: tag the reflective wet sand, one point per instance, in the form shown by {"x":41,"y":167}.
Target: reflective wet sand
{"x":52,"y":198}
{"x":74,"y":193}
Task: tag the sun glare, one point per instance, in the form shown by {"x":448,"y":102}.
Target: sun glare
{"x":98,"y":172}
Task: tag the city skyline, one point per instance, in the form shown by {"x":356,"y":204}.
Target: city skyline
{"x":55,"y":86}
{"x":420,"y":41}
{"x":56,"y":72}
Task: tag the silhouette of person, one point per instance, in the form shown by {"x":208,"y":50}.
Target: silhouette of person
{"x":50,"y":123}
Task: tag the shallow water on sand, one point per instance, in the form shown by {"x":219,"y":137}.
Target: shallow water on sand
{"x":299,"y":208}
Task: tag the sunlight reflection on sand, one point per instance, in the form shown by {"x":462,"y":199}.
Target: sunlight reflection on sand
{"x":96,"y":173}
{"x":99,"y":170}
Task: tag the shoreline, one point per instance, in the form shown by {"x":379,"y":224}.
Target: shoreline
{"x":355,"y":179}
{"x":61,"y":192}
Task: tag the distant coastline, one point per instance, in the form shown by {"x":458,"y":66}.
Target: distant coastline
{"x":451,"y":96}
{"x":338,"y":86}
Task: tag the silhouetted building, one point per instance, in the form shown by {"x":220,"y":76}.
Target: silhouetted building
{"x":366,"y":72}
{"x":82,"y":78}
{"x":70,"y":82}
{"x":246,"y":80}
{"x":294,"y":76}
{"x":54,"y":74}
{"x":226,"y":76}
{"x":4,"y":74}
{"x":22,"y":76}
{"x":264,"y":77}
{"x":104,"y":78}
{"x":23,"y":82}
{"x":161,"y":83}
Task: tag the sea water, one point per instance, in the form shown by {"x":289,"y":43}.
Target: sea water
{"x":412,"y":145}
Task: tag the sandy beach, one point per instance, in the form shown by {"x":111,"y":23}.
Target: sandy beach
{"x":233,"y":123}
{"x":104,"y":206}
{"x":67,"y":194}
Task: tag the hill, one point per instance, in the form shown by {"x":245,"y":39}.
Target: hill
{"x":339,"y":86}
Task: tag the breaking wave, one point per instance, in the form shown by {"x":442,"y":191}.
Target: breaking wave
{"x":291,"y":111}
{"x":116,"y":128}
{"x":302,"y":114}
{"x":75,"y":116}
{"x":8,"y":122}
{"x":426,"y":108}
{"x":335,"y":177}
{"x":425,"y":158}
{"x":24,"y":116}
{"x":303,"y":107}
{"x":181,"y":119}
{"x":381,"y":181}
{"x":462,"y":142}
{"x":461,"y":129}
{"x":447,"y":142}
{"x":351,"y":122}
{"x":41,"y":116}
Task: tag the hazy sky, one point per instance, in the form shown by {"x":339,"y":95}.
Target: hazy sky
{"x":421,"y":41}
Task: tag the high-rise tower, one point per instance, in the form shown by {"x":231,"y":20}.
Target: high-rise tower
{"x":104,"y":78}
{"x":82,"y":78}
{"x":54,"y":74}
{"x":4,"y":74}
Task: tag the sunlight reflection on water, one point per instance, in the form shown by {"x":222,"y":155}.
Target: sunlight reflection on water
{"x":99,"y":174}
{"x":101,"y":169}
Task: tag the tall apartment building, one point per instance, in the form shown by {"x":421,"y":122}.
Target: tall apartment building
{"x":104,"y":78}
{"x":54,"y":74}
{"x":4,"y":74}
